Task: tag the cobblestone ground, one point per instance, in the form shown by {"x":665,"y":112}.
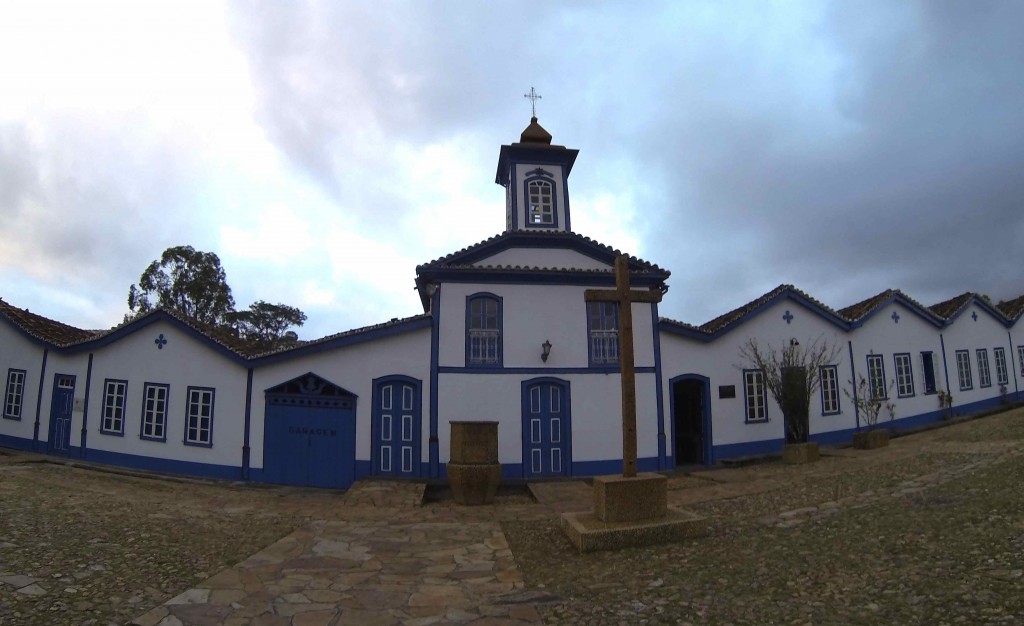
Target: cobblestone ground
{"x":927,"y":531}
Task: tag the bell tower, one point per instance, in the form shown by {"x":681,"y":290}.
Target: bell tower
{"x":535,"y":176}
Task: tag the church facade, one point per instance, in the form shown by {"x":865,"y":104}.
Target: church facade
{"x":507,"y":335}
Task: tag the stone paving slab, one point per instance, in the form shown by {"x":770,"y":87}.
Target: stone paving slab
{"x":564,"y":495}
{"x":368,"y":572}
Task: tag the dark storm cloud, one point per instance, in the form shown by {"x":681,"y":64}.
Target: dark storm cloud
{"x":844,"y":147}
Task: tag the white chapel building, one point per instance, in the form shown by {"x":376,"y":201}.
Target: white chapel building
{"x":506,"y":335}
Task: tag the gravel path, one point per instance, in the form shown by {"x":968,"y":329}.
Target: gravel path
{"x":927,"y":531}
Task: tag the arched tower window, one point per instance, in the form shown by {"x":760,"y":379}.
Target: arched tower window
{"x":541,"y":196}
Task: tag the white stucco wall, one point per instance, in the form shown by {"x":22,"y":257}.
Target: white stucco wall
{"x":531,"y":315}
{"x":544,"y":257}
{"x":720,"y":361}
{"x":964,"y":333}
{"x":184,"y":361}
{"x":18,"y":352}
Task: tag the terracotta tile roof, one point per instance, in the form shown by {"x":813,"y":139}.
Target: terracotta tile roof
{"x":950,"y":307}
{"x":343,"y":335}
{"x":862,"y":309}
{"x":510,"y":238}
{"x":1012,"y":309}
{"x":856,"y":311}
{"x":723,"y":321}
{"x":45,"y":329}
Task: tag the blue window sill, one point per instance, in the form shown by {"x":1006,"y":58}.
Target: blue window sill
{"x":156,"y":439}
{"x":16,"y":418}
{"x":112,"y":433}
{"x":196,"y":444}
{"x":832,"y":413}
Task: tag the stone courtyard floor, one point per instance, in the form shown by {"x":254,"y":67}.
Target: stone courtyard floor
{"x":927,"y":531}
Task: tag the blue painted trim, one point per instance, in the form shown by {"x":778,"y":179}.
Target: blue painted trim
{"x":85,"y":409}
{"x":910,"y":369}
{"x":746,"y":398}
{"x":993,"y":312}
{"x":347,"y":339}
{"x":7,"y":394}
{"x":448,"y":369}
{"x":945,"y":364}
{"x":511,"y":155}
{"x":124,"y":407}
{"x":749,"y":448}
{"x":417,"y":426}
{"x":984,"y":374}
{"x":659,"y":391}
{"x":809,"y":305}
{"x":16,"y":443}
{"x":707,"y":421}
{"x":566,"y":435}
{"x":188,"y":417}
{"x":435,"y":338}
{"x":935,"y":385}
{"x":164,"y":466}
{"x":499,"y":304}
{"x":39,"y":400}
{"x":835,"y":377}
{"x":960,"y":370}
{"x":167,"y":410}
{"x":147,"y":320}
{"x":909,"y":305}
{"x":853,"y":384}
{"x":533,"y":276}
{"x":609,"y":467}
{"x":1013,"y":363}
{"x":248,"y":426}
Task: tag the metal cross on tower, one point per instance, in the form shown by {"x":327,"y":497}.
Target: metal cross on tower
{"x":534,"y":97}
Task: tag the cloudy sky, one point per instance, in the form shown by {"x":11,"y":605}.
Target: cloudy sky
{"x":324,"y":149}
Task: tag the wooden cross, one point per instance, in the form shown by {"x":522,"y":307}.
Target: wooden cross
{"x":625,"y":297}
{"x":534,"y":97}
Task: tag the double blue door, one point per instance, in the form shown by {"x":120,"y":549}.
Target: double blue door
{"x":546,"y":428}
{"x":61,"y":408}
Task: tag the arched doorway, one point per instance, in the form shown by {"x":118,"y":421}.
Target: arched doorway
{"x":691,"y":419}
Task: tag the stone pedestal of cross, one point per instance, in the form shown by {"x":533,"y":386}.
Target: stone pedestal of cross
{"x":625,"y":297}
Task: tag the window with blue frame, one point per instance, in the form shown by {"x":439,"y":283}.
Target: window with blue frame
{"x":928,"y":367}
{"x":603,"y":330}
{"x":541,"y":196}
{"x":112,"y":420}
{"x":199,"y":416}
{"x":14,"y":397}
{"x":483,"y":330}
{"x":756,"y":397}
{"x":154,"y":412}
{"x":1020,"y":357}
{"x":1000,"y":357}
{"x":829,"y":390}
{"x":963,"y":369}
{"x":984,"y":373}
{"x":876,"y":377}
{"x":904,"y":375}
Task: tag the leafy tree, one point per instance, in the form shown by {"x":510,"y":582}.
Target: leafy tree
{"x":194,"y":283}
{"x":265,"y":323}
{"x":792,"y":375}
{"x":187,"y":280}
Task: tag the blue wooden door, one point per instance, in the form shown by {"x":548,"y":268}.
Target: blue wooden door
{"x":60,"y":413}
{"x":546,"y":429}
{"x":309,"y":446}
{"x":309,"y":434}
{"x":396,"y":427}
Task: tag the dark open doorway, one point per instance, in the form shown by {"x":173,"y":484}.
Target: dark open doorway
{"x":690,"y":417}
{"x":794,"y":384}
